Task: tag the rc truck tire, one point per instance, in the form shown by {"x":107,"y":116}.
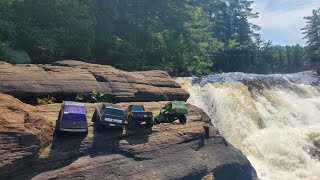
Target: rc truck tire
{"x":94,"y":117}
{"x":149,"y":122}
{"x":170,"y":118}
{"x":59,"y":133}
{"x":131,"y":123}
{"x":57,"y":129}
{"x":85,"y":134}
{"x":156,"y":121}
{"x":98,"y":126}
{"x":182,"y":119}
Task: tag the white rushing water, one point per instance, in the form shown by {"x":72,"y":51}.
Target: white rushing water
{"x":277,"y":128}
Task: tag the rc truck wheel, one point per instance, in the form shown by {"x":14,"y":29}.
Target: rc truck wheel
{"x":182,"y":119}
{"x":57,"y":129}
{"x":59,"y":132}
{"x":131,"y":123}
{"x":156,"y":121}
{"x":98,"y":126}
{"x":94,"y":117}
{"x":149,"y":122}
{"x":170,"y":118}
{"x":85,"y":134}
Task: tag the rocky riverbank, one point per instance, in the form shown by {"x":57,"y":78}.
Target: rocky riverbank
{"x":30,"y":149}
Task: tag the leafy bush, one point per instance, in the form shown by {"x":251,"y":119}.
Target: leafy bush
{"x":94,"y":96}
{"x":99,"y":97}
{"x":46,"y":100}
{"x":79,"y":97}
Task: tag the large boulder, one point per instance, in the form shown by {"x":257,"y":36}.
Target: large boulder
{"x":23,"y":133}
{"x":16,"y":56}
{"x":65,"y":79}
{"x":168,"y":151}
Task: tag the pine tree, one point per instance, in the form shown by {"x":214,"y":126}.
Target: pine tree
{"x":312,"y":34}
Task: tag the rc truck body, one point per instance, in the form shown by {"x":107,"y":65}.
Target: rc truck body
{"x":171,"y":112}
{"x":135,"y":115}
{"x":109,"y":115}
{"x":72,"y":118}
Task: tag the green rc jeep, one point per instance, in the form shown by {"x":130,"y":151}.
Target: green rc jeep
{"x":171,"y":112}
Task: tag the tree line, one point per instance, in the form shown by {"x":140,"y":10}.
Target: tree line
{"x":193,"y":36}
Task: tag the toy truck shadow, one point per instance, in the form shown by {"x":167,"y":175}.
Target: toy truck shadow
{"x":69,"y":146}
{"x":66,"y":141}
{"x":112,"y":140}
{"x":110,"y":130}
{"x":64,"y":150}
{"x":105,"y":140}
{"x":110,"y":119}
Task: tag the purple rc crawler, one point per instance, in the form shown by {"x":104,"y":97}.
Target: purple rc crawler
{"x":72,"y":118}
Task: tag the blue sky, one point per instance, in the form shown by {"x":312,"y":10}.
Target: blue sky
{"x":281,"y":20}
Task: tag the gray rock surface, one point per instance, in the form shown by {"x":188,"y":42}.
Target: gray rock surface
{"x":65,"y":79}
{"x":30,"y":148}
{"x":168,"y":151}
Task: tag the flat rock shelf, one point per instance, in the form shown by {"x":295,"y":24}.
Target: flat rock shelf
{"x":30,"y":148}
{"x":65,"y":79}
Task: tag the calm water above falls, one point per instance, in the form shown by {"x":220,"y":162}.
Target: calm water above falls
{"x":273,"y":119}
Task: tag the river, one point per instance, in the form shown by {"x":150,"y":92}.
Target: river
{"x":273,"y":119}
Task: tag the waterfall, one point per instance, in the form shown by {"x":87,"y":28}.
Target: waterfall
{"x":273,"y":119}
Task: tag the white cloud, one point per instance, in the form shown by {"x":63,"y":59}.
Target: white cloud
{"x":284,"y":17}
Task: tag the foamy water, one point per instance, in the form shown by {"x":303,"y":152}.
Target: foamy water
{"x":276,"y":127}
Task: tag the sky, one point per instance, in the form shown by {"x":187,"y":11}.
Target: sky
{"x":281,"y":20}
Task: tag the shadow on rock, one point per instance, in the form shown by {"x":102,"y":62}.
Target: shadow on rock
{"x":118,"y":141}
{"x":105,"y":140}
{"x":65,"y":149}
{"x":135,"y":137}
{"x":66,"y":143}
{"x":138,"y":135}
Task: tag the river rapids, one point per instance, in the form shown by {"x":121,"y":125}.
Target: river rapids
{"x":273,"y":119}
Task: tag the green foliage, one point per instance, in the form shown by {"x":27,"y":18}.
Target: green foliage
{"x":312,"y":34}
{"x":7,"y":27}
{"x":173,"y":35}
{"x":278,"y":59}
{"x":99,"y":97}
{"x":52,"y":30}
{"x":204,"y":47}
{"x":46,"y":100}
{"x":94,"y":96}
{"x":79,"y":97}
